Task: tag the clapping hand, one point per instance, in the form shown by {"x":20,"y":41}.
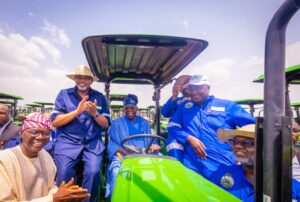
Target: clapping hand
{"x":70,"y":192}
{"x":91,"y":107}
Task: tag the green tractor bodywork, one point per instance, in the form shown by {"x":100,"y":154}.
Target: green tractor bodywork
{"x":250,"y":102}
{"x":156,"y":178}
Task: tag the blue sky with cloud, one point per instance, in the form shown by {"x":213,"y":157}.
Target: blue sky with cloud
{"x":41,"y":41}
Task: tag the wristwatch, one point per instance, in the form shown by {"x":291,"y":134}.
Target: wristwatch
{"x":97,"y":114}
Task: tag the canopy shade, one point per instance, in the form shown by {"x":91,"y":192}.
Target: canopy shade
{"x":43,"y":103}
{"x":10,"y":96}
{"x":292,"y":75}
{"x":249,"y":101}
{"x":140,"y":59}
{"x":117,"y":97}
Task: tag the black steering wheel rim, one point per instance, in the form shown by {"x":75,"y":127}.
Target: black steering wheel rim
{"x":147,"y":136}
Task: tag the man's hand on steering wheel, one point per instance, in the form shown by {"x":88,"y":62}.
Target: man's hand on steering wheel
{"x":151,"y":148}
{"x":154,"y":148}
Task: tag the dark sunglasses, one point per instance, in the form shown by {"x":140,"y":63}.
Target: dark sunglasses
{"x":244,"y":143}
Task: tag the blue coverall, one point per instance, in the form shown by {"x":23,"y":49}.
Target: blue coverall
{"x":233,"y":179}
{"x":79,"y":140}
{"x":203,"y":122}
{"x":174,"y":148}
{"x":120,"y":128}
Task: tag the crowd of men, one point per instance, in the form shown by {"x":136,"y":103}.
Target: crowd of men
{"x":202,"y":136}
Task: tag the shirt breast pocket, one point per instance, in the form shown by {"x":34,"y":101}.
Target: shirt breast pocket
{"x":216,"y":119}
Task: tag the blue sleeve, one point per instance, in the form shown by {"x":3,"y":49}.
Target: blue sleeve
{"x":169,"y":108}
{"x":104,"y":111}
{"x":175,"y":127}
{"x":12,"y":142}
{"x":114,"y":143}
{"x":296,"y":190}
{"x":60,"y":106}
{"x":239,"y":116}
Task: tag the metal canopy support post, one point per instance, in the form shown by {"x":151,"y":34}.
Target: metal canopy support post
{"x":14,"y":114}
{"x":298,"y":114}
{"x":107,"y":91}
{"x":156,"y":98}
{"x":252,"y":109}
{"x":274,"y":108}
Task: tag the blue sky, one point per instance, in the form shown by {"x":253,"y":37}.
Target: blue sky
{"x":41,"y":41}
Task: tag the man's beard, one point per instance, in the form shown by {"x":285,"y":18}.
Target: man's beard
{"x":82,"y":88}
{"x":248,"y":162}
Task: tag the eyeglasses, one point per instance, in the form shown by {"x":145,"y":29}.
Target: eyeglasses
{"x":38,"y":133}
{"x":244,"y":143}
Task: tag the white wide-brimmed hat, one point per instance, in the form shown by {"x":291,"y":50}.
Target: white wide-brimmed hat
{"x":82,"y":70}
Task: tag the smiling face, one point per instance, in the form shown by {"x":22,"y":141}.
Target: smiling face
{"x":243,"y":149}
{"x":130,"y":111}
{"x":4,"y":114}
{"x":83,"y":83}
{"x":33,"y":140}
{"x":198,"y":93}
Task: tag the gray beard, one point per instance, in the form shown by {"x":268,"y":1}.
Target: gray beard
{"x":82,"y":88}
{"x":245,"y":162}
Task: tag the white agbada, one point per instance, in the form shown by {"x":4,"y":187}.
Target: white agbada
{"x":26,"y":179}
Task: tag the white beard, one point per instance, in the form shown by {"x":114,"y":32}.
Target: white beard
{"x":82,"y":88}
{"x":249,"y":162}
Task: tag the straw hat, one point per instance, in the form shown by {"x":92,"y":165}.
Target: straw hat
{"x":83,"y":71}
{"x":245,"y":131}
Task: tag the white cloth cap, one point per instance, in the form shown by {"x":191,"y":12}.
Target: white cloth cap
{"x":198,"y":80}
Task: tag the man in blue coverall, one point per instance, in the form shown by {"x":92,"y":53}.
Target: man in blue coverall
{"x":196,"y":122}
{"x":239,"y":179}
{"x":120,"y":128}
{"x":174,"y":148}
{"x":79,"y":116}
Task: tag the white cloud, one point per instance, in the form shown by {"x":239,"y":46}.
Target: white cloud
{"x":255,"y":61}
{"x":186,"y":23}
{"x":48,"y":47}
{"x":293,"y":54}
{"x":57,"y":34}
{"x":17,"y":51}
{"x":25,"y":70}
{"x":216,"y":70}
{"x":31,"y":14}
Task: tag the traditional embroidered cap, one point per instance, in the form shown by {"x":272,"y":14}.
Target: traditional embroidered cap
{"x":36,"y":120}
{"x":82,"y":70}
{"x":198,"y":80}
{"x":245,"y":131}
{"x":130,"y":99}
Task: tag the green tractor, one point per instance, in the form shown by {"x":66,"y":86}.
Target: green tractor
{"x":150,"y":60}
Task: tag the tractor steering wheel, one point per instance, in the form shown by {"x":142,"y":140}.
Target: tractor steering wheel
{"x":148,"y":146}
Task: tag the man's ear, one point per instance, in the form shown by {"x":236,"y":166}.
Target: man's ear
{"x":21,"y":133}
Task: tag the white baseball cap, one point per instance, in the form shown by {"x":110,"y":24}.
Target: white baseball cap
{"x":198,"y":80}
